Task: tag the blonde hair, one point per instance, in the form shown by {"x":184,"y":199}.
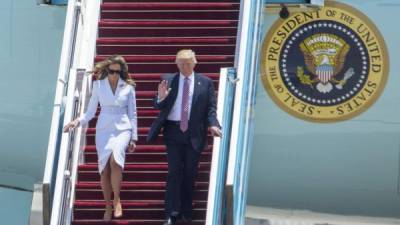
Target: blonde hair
{"x":186,"y":54}
{"x":100,"y":70}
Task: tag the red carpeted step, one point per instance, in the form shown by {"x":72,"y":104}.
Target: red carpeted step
{"x":142,"y":85}
{"x":171,"y":58}
{"x":136,"y":185}
{"x":145,"y":103}
{"x":142,"y":176}
{"x":144,"y":214}
{"x":168,"y":6}
{"x":203,"y":166}
{"x":148,"y":112}
{"x":129,"y":204}
{"x":167,"y":32}
{"x":163,"y":45}
{"x":91,"y":157}
{"x":172,"y":14}
{"x":95,"y":194}
{"x":143,"y":148}
{"x":146,"y":94}
{"x":166,"y":41}
{"x":157,"y":76}
{"x":169,"y":23}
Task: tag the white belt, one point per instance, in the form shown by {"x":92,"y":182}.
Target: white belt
{"x":114,"y":110}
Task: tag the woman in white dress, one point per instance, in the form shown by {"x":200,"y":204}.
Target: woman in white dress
{"x":116,"y":128}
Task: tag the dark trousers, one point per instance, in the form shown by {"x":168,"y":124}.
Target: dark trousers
{"x":182,"y":170}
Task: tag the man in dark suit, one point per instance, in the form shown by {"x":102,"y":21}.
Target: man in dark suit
{"x":187,"y":106}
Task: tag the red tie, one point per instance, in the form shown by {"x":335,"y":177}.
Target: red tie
{"x":185,"y":105}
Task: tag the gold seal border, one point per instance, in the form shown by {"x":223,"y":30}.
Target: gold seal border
{"x":384,"y":73}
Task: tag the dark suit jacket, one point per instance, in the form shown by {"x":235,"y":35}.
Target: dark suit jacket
{"x":202,"y":113}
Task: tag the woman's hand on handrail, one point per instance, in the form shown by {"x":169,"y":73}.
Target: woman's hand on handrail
{"x":71,"y":125}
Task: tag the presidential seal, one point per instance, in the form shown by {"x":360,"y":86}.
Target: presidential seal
{"x":324,"y":66}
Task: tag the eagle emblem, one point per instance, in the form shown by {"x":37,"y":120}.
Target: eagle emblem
{"x":324,"y":56}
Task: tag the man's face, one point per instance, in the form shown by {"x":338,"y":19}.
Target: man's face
{"x":185,"y":66}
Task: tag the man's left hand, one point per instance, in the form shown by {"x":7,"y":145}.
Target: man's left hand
{"x":215,"y":131}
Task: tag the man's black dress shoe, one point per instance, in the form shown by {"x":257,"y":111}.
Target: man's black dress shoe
{"x":170,"y":220}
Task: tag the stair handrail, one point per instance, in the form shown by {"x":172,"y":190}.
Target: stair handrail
{"x":226,"y":91}
{"x":65,"y":149}
{"x":87,"y":43}
{"x":63,"y":75}
{"x":63,"y":182}
{"x":228,"y":180}
{"x":41,"y":211}
{"x":72,"y":143}
{"x":246,"y":62}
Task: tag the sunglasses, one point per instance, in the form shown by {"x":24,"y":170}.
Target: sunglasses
{"x":110,"y":71}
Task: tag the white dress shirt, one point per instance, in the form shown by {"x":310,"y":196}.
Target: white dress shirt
{"x":175,"y":113}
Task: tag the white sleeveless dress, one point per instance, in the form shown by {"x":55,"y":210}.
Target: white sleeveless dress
{"x":117,"y":122}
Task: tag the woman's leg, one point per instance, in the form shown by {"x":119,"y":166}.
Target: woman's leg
{"x":105,"y":179}
{"x":116,"y":179}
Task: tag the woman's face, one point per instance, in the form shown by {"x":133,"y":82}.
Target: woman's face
{"x":114,"y":70}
